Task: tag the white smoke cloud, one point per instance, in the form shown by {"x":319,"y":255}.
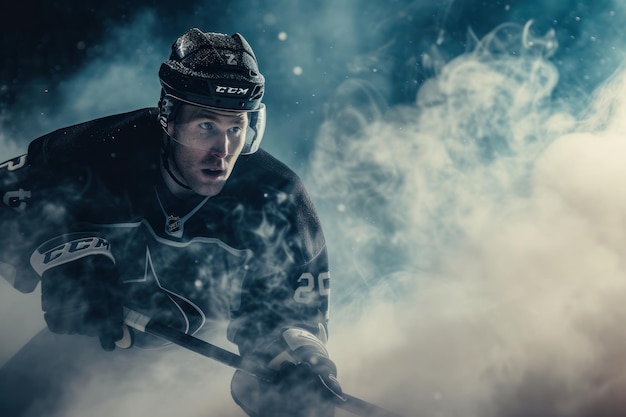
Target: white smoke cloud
{"x":480,"y":235}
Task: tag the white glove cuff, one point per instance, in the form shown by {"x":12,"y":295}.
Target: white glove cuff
{"x":68,"y":248}
{"x":295,"y":339}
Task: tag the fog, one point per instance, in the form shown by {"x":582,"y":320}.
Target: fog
{"x":468,"y":170}
{"x":483,"y":232}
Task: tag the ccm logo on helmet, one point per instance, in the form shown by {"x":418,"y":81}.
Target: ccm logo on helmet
{"x":42,"y":260}
{"x":235,"y":91}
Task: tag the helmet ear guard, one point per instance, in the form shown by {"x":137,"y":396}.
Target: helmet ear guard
{"x":167,"y":109}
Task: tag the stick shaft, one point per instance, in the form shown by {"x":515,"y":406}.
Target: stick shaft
{"x":144,"y":324}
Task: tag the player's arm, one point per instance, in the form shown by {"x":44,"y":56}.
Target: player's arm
{"x":43,"y":205}
{"x":36,"y":191}
{"x":288,"y":335}
{"x":286,"y":330}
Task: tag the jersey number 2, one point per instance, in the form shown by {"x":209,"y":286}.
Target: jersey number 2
{"x":305,"y":293}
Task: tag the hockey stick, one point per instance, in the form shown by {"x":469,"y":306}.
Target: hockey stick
{"x":145,"y":324}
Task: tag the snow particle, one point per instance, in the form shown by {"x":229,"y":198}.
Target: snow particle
{"x":269,"y":19}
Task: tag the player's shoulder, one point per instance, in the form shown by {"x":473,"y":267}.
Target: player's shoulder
{"x":261,"y":178}
{"x":98,"y":140}
{"x":265,"y":169}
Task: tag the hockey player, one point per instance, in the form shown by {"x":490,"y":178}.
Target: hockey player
{"x":174,"y":212}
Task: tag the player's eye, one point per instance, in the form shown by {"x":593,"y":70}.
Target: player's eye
{"x":208,"y":126}
{"x":236,"y":130}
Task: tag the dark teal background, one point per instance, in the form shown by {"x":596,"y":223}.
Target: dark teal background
{"x":46,"y":44}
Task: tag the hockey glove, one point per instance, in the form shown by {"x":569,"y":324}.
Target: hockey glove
{"x":305,"y":385}
{"x":305,"y":361}
{"x":80,"y":291}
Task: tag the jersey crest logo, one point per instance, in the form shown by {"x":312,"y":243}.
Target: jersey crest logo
{"x":173,"y":225}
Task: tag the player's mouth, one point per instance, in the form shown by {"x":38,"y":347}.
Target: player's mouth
{"x":214,"y":173}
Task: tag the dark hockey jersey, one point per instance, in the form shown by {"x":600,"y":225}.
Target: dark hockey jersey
{"x":254,"y":254}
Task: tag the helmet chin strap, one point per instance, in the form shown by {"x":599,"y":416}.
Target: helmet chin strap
{"x":165,"y":156}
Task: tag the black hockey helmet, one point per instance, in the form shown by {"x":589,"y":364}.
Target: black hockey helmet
{"x":215,"y":71}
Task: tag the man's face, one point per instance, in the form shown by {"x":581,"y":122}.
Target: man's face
{"x":206,"y":145}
